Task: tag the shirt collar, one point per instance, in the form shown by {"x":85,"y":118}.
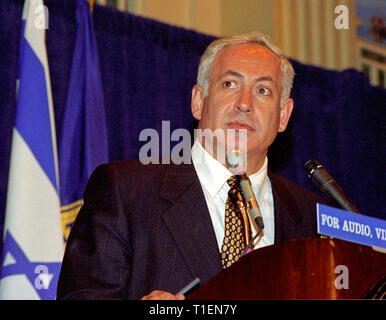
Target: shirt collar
{"x":259,"y":181}
{"x":213,"y":175}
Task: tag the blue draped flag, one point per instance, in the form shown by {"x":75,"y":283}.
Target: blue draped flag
{"x":33,"y":241}
{"x":83,"y":139}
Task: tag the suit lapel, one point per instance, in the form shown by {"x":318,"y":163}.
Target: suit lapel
{"x":287,"y":213}
{"x":189,"y":221}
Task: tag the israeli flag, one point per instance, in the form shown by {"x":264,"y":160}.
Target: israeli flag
{"x":33,"y":240}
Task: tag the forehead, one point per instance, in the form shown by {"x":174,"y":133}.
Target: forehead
{"x":248,"y":57}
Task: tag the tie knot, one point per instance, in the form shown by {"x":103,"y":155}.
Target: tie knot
{"x":232,"y":181}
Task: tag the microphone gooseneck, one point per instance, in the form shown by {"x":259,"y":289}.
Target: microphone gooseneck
{"x":237,"y":165}
{"x":250,"y":199}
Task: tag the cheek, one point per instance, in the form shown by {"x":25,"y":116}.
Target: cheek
{"x":217,"y":110}
{"x":267,"y":115}
{"x":210,"y":115}
{"x":266,"y":123}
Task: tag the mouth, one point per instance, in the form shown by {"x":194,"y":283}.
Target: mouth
{"x":239,"y":125}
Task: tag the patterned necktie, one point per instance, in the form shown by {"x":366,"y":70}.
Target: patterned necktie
{"x":237,"y":227}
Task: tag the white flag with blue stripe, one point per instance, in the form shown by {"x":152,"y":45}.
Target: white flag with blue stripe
{"x":33,"y":238}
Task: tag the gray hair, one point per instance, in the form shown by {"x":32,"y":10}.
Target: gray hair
{"x":206,"y":61}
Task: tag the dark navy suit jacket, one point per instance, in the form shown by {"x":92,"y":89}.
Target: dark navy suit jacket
{"x":147,"y":227}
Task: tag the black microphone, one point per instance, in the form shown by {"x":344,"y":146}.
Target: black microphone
{"x":328,"y":185}
{"x":237,"y":165}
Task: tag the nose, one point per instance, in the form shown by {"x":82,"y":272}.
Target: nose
{"x":244,"y":102}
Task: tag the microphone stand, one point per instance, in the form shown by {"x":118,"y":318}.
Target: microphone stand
{"x":252,"y":241}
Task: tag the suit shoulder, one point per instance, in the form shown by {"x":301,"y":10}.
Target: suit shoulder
{"x":132,"y":167}
{"x":295,"y":201}
{"x":295,"y":189}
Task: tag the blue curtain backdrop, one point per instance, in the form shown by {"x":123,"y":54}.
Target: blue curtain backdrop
{"x":148,"y":69}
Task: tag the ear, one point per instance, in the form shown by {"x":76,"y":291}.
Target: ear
{"x":285,"y":113}
{"x":197,"y":102}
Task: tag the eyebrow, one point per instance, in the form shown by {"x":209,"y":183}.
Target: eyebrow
{"x":239,"y":75}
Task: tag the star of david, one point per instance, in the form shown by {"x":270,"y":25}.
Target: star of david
{"x":34,"y":271}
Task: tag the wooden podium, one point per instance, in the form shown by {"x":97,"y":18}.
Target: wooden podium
{"x":300,"y":269}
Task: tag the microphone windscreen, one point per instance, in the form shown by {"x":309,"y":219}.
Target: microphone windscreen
{"x":310,"y":166}
{"x":236,"y":161}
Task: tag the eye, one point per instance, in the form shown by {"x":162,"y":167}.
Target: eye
{"x":264,"y":91}
{"x":229,"y":84}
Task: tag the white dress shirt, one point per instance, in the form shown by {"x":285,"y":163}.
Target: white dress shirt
{"x":213,"y":176}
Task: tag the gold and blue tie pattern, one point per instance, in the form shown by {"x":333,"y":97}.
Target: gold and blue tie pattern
{"x":236,"y":231}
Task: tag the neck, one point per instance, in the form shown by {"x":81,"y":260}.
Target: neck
{"x":255,"y":161}
{"x":254,"y":164}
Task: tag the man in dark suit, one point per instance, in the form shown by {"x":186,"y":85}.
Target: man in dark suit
{"x":148,"y":230}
